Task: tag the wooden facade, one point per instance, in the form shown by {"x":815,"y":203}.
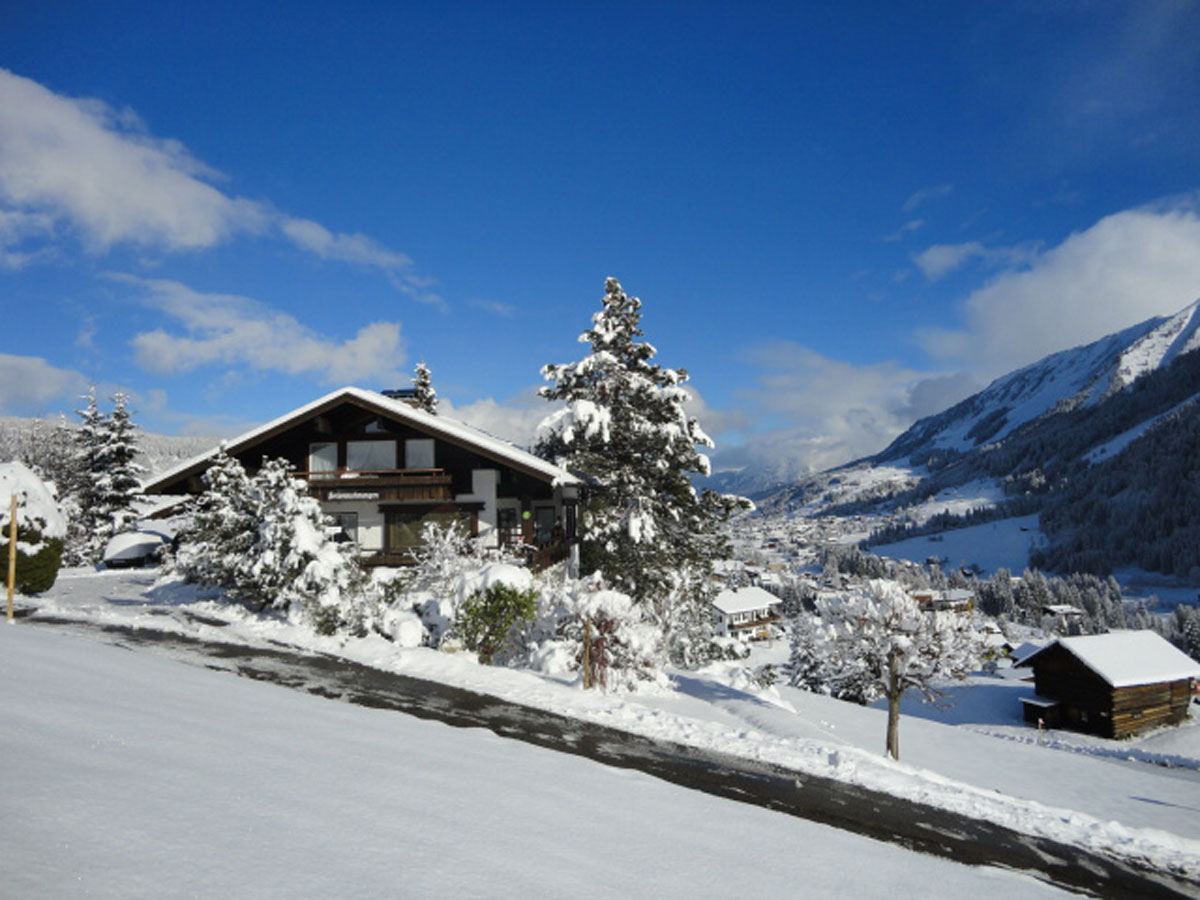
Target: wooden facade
{"x":1075,"y":695}
{"x":381,"y":469}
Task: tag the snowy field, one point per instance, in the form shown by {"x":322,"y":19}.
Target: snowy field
{"x":993,"y":545}
{"x":974,"y":756}
{"x":131,"y":775}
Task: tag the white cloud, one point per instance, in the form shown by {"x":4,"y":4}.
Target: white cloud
{"x":1126,"y":268}
{"x":909,"y":226}
{"x":940,"y":260}
{"x":496,"y":308}
{"x":515,"y":420}
{"x":29,"y":383}
{"x":353,"y":248}
{"x":924,"y":195}
{"x":836,"y":411}
{"x":99,"y":174}
{"x":230,"y":330}
{"x":85,"y":164}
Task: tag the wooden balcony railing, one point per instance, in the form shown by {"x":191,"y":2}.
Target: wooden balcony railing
{"x":387,"y":484}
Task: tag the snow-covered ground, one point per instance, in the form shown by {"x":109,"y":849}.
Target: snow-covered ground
{"x":130,"y":775}
{"x":993,"y":545}
{"x":974,"y":757}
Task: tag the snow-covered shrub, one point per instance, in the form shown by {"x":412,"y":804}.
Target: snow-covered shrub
{"x":449,"y":567}
{"x":487,"y":619}
{"x":40,"y":528}
{"x":494,"y":602}
{"x":267,"y":544}
{"x":603,"y":636}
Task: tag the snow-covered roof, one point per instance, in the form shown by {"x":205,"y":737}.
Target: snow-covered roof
{"x":439,"y":426}
{"x":745,"y":599}
{"x":1127,"y":658}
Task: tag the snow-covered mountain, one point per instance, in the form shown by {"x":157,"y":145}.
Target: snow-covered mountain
{"x":1098,"y":441}
{"x":1081,"y":377}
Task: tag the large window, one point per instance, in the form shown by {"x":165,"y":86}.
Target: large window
{"x":370,"y":456}
{"x":418,"y":453}
{"x":404,"y":525}
{"x":322,"y":460}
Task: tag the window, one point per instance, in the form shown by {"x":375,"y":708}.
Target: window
{"x":347,"y":523}
{"x":404,"y":526}
{"x":322,"y":460}
{"x":418,"y":453}
{"x":509,"y":524}
{"x":370,"y":456}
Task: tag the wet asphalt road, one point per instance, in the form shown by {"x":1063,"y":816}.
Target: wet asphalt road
{"x":875,"y":815}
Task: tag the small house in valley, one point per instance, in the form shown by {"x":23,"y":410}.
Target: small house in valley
{"x":382,"y":468}
{"x":951,"y":599}
{"x":748,"y":613}
{"x":1113,"y":685}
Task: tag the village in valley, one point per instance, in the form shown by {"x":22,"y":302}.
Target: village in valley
{"x":557,"y":450}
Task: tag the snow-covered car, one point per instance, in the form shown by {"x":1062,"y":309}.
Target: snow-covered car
{"x":135,"y":548}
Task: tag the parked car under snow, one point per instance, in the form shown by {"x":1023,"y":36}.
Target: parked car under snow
{"x":135,"y":548}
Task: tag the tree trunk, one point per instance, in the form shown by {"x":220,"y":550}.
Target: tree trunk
{"x":893,"y":698}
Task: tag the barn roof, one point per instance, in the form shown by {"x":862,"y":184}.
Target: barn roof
{"x":1126,"y":658}
{"x":436,"y":426}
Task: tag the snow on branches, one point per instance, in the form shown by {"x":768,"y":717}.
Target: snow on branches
{"x":423,"y":392}
{"x":877,"y":641}
{"x":264,"y":541}
{"x":623,"y":424}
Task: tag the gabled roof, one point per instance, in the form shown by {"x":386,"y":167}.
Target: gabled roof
{"x":747,"y":599}
{"x":436,"y":426}
{"x":1126,"y":658}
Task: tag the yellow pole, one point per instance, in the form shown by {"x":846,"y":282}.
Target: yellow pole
{"x":12,"y":554}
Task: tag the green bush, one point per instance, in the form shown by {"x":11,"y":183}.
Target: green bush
{"x":35,"y":573}
{"x":487,"y":620}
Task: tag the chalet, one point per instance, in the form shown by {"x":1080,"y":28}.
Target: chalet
{"x":381,"y":469}
{"x":748,"y":613}
{"x":953,"y":599}
{"x":1113,"y":684}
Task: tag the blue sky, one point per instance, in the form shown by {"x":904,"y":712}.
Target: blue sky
{"x":839,"y":217}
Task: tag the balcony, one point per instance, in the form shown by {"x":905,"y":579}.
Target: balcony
{"x":382,"y":484}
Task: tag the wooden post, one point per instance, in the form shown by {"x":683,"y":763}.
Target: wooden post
{"x":12,"y":554}
{"x":587,"y":645}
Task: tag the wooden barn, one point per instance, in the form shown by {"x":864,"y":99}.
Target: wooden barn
{"x":382,"y":468}
{"x":1113,"y":685}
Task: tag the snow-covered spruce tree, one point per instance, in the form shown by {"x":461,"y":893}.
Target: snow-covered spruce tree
{"x":118,"y":484}
{"x":264,"y":541}
{"x":422,"y":382}
{"x":644,"y":527}
{"x":85,"y":543}
{"x":877,"y":642}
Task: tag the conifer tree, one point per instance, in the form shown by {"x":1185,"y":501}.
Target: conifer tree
{"x":266,"y":543}
{"x":84,"y":543}
{"x":119,"y":484}
{"x":624,"y":426}
{"x":426,"y":396}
